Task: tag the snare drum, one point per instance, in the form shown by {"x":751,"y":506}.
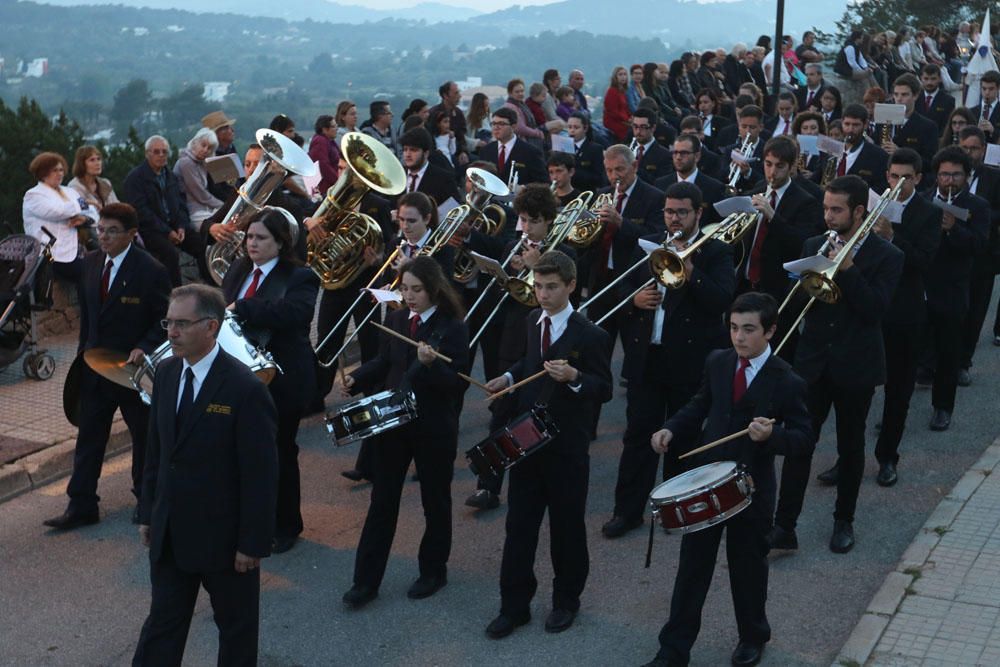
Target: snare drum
{"x":231,"y":339}
{"x":370,"y":416}
{"x":701,"y":497}
{"x":504,"y":448}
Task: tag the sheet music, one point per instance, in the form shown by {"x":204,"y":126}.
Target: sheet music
{"x":891,"y":114}
{"x":649,"y":246}
{"x":893,"y":211}
{"x":959,"y":213}
{"x":808,"y":144}
{"x":829,"y":145}
{"x":225,"y":168}
{"x":563,"y":144}
{"x":814,"y":263}
{"x":727,"y":207}
{"x":992,"y":155}
{"x":489,"y":266}
{"x":384,"y":295}
{"x":312,"y":181}
{"x":445,"y":208}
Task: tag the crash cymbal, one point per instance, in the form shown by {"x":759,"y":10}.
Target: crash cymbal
{"x":111,"y":365}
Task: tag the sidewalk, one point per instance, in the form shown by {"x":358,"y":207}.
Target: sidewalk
{"x":941,"y":606}
{"x":36,"y":441}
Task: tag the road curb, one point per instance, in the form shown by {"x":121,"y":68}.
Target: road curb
{"x":49,"y":464}
{"x":897,"y":585}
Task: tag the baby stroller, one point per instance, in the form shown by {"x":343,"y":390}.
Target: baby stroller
{"x":25,"y":288}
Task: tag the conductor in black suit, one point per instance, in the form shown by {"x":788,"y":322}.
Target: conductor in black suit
{"x":841,"y":356}
{"x":208,"y":490}
{"x":273,"y":297}
{"x":666,"y":335}
{"x":743,"y":387}
{"x":576,"y":356}
{"x":508,"y":152}
{"x":421,"y":175}
{"x":123,"y":297}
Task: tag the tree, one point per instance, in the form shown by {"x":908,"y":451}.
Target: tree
{"x":184,"y":108}
{"x":875,"y":17}
{"x":131,"y":102}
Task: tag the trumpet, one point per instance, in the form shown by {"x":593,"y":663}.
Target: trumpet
{"x":821,"y":285}
{"x":589,"y":226}
{"x":746,"y":150}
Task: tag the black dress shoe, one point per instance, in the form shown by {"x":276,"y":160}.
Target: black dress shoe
{"x":559,"y":620}
{"x":283,"y":544}
{"x":941,"y":420}
{"x":353,"y":474}
{"x":842,"y":539}
{"x":830,"y":476}
{"x":619,"y":525}
{"x":502,"y":625}
{"x":779,"y":538}
{"x":70,"y":520}
{"x":135,"y":516}
{"x":426,"y":586}
{"x":359,"y":596}
{"x":964,"y":379}
{"x":886,"y":474}
{"x":747,"y":653}
{"x":483,"y":499}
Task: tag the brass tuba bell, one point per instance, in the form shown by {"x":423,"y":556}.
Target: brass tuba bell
{"x":339,"y":257}
{"x":485,"y":186}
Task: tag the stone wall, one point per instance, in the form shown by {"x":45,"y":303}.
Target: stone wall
{"x":64,"y":315}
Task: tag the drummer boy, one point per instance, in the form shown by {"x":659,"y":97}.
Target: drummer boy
{"x":742,"y":388}
{"x":573,"y":357}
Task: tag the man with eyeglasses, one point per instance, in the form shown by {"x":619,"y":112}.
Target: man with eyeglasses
{"x":209,"y":487}
{"x":652,"y":160}
{"x":508,"y":153}
{"x":379,"y":125}
{"x":667,"y":334}
{"x":123,"y":296}
{"x":156,"y":194}
{"x":686,"y":157}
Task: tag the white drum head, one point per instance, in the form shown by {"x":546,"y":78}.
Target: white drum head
{"x":700,"y":477}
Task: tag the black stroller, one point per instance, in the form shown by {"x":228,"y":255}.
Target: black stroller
{"x":25,"y":288}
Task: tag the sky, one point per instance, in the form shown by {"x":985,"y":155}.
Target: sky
{"x":481,"y":5}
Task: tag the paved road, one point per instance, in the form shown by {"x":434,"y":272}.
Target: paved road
{"x":80,"y":598}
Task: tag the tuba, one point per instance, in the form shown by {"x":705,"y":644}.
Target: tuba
{"x":589,"y":227}
{"x":485,"y":186}
{"x":339,"y":257}
{"x":281,"y":158}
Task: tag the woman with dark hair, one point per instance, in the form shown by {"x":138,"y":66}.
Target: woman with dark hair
{"x":709,"y":109}
{"x":417,"y":107}
{"x":680,"y":84}
{"x":616,"y":111}
{"x":812,"y":124}
{"x":960,"y":118}
{"x":552,"y":82}
{"x":830,"y":103}
{"x":635,"y":90}
{"x":273,"y":298}
{"x":654,"y":82}
{"x":708,"y":74}
{"x":87,"y":167}
{"x":477,"y":122}
{"x":283,"y":124}
{"x":439,"y":126}
{"x":526,"y":128}
{"x":324,"y":151}
{"x":432,"y":316}
{"x":345,"y":118}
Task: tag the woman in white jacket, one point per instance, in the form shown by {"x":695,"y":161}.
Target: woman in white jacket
{"x":191,"y":171}
{"x":60,"y":210}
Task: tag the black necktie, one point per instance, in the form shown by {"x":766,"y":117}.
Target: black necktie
{"x":187,"y":399}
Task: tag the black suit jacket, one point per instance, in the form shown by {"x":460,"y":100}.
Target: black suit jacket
{"x":988,"y":187}
{"x":951,"y":271}
{"x":712,"y":191}
{"x":693,"y":318}
{"x":871,"y":165}
{"x":797,"y":217}
{"x":278,"y":318}
{"x":587,"y":348}
{"x":437,"y":387}
{"x":845,"y":338}
{"x":211,"y":488}
{"x":656,"y":162}
{"x":718,"y":124}
{"x":589,"y":172}
{"x":776,"y":392}
{"x":528,"y":160}
{"x":712,"y":164}
{"x":745,"y":183}
{"x":994,"y":118}
{"x":642,"y":216}
{"x":940,"y":110}
{"x":920,"y":134}
{"x":143,"y":191}
{"x":436,"y":183}
{"x":137,"y":301}
{"x":802,"y":94}
{"x":918,"y":236}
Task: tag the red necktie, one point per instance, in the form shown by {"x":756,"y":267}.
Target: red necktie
{"x":411,"y":249}
{"x":809,"y":99}
{"x":927,"y":103}
{"x":106,"y":281}
{"x":842,"y":165}
{"x":740,"y":381}
{"x":502,"y":158}
{"x":755,"y":270}
{"x":414,"y":323}
{"x":638,"y":156}
{"x":257,"y":273}
{"x":788,"y":126}
{"x":546,"y":334}
{"x":413,"y":182}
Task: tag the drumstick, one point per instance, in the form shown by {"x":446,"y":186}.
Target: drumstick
{"x":720,"y":441}
{"x":514,"y":386}
{"x":412,"y":342}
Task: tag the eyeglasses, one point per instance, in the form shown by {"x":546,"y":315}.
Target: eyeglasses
{"x":181,"y":325}
{"x":109,"y":231}
{"x":499,"y":123}
{"x":951,"y":175}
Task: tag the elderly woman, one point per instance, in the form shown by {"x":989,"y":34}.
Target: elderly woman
{"x":526,"y":127}
{"x":192,"y":173}
{"x":60,"y":209}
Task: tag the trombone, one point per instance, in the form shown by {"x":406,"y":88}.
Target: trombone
{"x":821,"y":285}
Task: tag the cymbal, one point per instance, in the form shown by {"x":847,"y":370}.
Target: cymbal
{"x":111,"y":365}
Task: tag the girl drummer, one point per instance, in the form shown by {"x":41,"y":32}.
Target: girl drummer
{"x":433,"y":317}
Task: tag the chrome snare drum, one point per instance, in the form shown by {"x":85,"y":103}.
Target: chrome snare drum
{"x":231,"y":339}
{"x":370,"y":416}
{"x":703,"y":497}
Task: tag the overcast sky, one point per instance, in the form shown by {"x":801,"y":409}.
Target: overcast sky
{"x":481,"y":5}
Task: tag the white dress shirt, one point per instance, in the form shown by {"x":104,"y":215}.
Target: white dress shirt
{"x":655,"y":337}
{"x":420,"y":244}
{"x":116,"y":263}
{"x":200,"y":370}
{"x":756,"y":363}
{"x":265,"y":269}
{"x":691,"y":178}
{"x":420,"y":177}
{"x":557,"y":326}
{"x":852,"y":155}
{"x":628,"y":193}
{"x":778,"y":194}
{"x":424,"y":316}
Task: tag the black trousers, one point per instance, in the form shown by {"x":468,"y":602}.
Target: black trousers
{"x":556,"y":479}
{"x":903,"y":344}
{"x":746,"y":555}
{"x":649,"y":403}
{"x":980,"y":295}
{"x":489,"y":341}
{"x":235,"y":606}
{"x":945,"y":343}
{"x":435,"y":461}
{"x":851,"y":405}
{"x":168,"y":254}
{"x":288,"y":517}
{"x":99,"y":398}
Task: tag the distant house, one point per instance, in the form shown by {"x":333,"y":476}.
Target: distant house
{"x":215,"y":91}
